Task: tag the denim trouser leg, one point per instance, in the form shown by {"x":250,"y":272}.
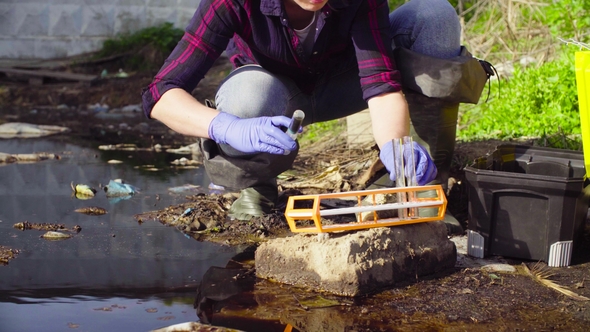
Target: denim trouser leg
{"x":428,"y":27}
{"x":251,"y":91}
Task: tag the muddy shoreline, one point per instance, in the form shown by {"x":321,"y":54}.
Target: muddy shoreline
{"x":465,"y":298}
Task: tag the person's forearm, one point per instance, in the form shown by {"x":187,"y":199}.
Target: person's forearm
{"x":390,"y":117}
{"x":182,"y":113}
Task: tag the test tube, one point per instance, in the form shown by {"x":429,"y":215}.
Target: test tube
{"x":293,"y":130}
{"x":405,"y":172}
{"x":296,"y":121}
{"x":400,"y":179}
{"x":410,"y":171}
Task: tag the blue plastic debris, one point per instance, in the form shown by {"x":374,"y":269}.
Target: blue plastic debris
{"x":117,"y":188}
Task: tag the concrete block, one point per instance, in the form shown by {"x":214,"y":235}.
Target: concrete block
{"x":9,"y":20}
{"x":357,"y":263}
{"x":123,"y":3}
{"x":159,"y":15}
{"x":189,"y":3}
{"x":65,"y":46}
{"x":98,"y":20}
{"x":129,"y":19}
{"x":65,"y":20}
{"x":35,"y":21}
{"x":17,"y":48}
{"x":185,"y":14}
{"x":358,"y":129}
{"x":159,"y":3}
{"x":73,"y":20}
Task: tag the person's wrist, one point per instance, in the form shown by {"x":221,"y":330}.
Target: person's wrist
{"x":219,"y":125}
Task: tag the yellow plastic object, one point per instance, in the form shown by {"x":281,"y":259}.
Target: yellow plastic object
{"x":583,"y":83}
{"x":316,"y":212}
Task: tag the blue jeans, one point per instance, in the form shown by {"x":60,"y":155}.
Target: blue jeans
{"x":429,"y":27}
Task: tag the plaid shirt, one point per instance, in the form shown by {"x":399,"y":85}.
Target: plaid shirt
{"x":257,"y":32}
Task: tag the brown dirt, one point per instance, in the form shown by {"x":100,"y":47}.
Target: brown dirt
{"x":462,"y":299}
{"x":7,"y":254}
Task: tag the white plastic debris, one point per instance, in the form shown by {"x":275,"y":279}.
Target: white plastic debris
{"x":28,"y":130}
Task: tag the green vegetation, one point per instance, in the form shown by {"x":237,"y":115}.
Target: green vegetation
{"x":317,"y":131}
{"x":145,"y":49}
{"x":533,"y":103}
{"x":537,"y":101}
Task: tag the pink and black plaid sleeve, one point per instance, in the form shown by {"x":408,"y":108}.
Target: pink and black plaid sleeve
{"x":256,"y":32}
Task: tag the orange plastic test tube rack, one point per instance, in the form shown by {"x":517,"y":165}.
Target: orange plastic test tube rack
{"x":314,"y":213}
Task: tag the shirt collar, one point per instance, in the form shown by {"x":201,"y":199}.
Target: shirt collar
{"x":275,"y":8}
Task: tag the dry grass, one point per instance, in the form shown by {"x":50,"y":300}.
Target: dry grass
{"x":542,"y":275}
{"x":511,"y":30}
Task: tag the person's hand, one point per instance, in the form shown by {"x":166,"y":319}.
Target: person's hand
{"x":261,"y":134}
{"x":425,"y":168}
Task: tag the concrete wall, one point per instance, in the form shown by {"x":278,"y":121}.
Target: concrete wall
{"x":57,"y":28}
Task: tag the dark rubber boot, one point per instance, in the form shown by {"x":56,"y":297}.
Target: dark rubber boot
{"x":253,"y":175}
{"x":255,"y":201}
{"x":434,"y":125}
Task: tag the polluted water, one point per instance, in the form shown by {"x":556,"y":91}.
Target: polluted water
{"x":111,"y":273}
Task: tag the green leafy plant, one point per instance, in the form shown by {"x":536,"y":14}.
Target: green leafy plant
{"x":144,"y":49}
{"x":534,"y":103}
{"x":568,"y":19}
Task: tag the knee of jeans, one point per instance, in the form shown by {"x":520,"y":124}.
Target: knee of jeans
{"x":436,"y":10}
{"x":429,"y":27}
{"x":252,"y":92}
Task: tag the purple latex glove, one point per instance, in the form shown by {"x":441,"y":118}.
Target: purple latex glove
{"x":425,"y":168}
{"x":261,"y":134}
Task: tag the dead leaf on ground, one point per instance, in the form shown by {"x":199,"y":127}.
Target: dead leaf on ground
{"x":542,"y":275}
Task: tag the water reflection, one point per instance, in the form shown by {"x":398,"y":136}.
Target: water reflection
{"x":118,"y":275}
{"x":112,"y":260}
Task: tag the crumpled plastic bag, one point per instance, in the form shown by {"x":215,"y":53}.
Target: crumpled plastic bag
{"x":116,"y":188}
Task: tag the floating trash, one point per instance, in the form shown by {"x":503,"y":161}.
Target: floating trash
{"x":6,"y":158}
{"x":92,"y":210}
{"x":185,"y":189}
{"x":117,"y":188}
{"x":186,"y":162}
{"x":150,"y":168}
{"x":192,"y":149}
{"x":82,"y":191}
{"x":51,"y":235}
{"x":114,"y":161}
{"x":215,"y":189}
{"x":98,"y":107}
{"x":130,"y":147}
{"x":119,"y":147}
{"x":28,"y":130}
